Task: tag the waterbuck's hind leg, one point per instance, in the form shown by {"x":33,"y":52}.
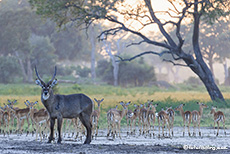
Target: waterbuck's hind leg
{"x":85,"y":119}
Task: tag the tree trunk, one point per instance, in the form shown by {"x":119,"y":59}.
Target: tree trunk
{"x":198,"y":65}
{"x":93,"y":48}
{"x":226,"y":75}
{"x":25,"y":78}
{"x":29,"y":71}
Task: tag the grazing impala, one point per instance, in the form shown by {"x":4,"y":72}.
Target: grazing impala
{"x":196,"y":117}
{"x":152,"y":116}
{"x":95,"y":117}
{"x":187,"y":116}
{"x":65,"y":106}
{"x":171,"y":114}
{"x":218,"y":116}
{"x":114,"y":118}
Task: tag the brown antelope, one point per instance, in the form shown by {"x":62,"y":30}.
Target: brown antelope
{"x":12,"y":116}
{"x":114,"y":118}
{"x":95,"y":117}
{"x":31,"y":112}
{"x":187,"y":116}
{"x":171,"y":114}
{"x":21,"y":115}
{"x":6,"y":119}
{"x":38,"y":118}
{"x":131,"y":118}
{"x":65,"y":106}
{"x":144,"y":112}
{"x":68,"y":123}
{"x":163,"y":118}
{"x":142,"y":109}
{"x":79,"y":128}
{"x":152,"y":116}
{"x":1,"y":118}
{"x":196,"y":117}
{"x":218,"y":116}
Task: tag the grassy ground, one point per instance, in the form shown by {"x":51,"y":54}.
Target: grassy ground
{"x":138,"y":95}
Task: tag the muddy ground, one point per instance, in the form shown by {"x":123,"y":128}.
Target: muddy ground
{"x":208,"y":143}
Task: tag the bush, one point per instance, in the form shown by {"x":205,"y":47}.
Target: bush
{"x":10,"y":69}
{"x":193,"y":81}
{"x":83,"y":72}
{"x":135,"y":73}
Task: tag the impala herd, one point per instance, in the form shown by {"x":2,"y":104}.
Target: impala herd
{"x":144,"y":115}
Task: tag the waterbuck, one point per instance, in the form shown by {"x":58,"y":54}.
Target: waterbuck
{"x":65,"y":106}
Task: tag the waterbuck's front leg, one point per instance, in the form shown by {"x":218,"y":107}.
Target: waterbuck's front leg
{"x":52,"y":122}
{"x":59,"y":126}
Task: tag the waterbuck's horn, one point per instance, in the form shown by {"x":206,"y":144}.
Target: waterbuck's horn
{"x":55,"y":70}
{"x":38,"y":75}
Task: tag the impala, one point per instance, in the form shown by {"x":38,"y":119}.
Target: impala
{"x":114,"y":118}
{"x":163,"y":119}
{"x":187,"y":116}
{"x":21,"y":115}
{"x":196,"y":117}
{"x":152,"y":116}
{"x":95,"y":117}
{"x":171,"y":114}
{"x":218,"y":116}
{"x":12,"y":115}
{"x":65,"y":106}
{"x":38,"y":118}
{"x":6,"y":119}
{"x":144,"y":112}
{"x":131,"y":118}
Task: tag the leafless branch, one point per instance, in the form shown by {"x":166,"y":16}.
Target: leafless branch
{"x":144,"y":53}
{"x":175,"y":64}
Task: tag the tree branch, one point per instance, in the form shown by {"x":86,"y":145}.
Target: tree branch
{"x":144,"y":53}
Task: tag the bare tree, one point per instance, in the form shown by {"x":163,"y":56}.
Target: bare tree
{"x":142,"y":13}
{"x":119,"y":47}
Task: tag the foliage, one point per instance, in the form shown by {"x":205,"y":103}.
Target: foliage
{"x":83,"y":72}
{"x":126,"y":17}
{"x":130,"y":73}
{"x":9,"y":69}
{"x":193,"y":81}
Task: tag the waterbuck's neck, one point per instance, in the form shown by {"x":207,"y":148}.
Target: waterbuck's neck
{"x":48,"y":103}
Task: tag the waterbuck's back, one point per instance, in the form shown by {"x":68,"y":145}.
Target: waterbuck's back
{"x":72,"y":105}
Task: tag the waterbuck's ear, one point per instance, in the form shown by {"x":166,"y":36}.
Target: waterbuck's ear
{"x":54,"y":82}
{"x":38,"y":82}
{"x":35,"y":102}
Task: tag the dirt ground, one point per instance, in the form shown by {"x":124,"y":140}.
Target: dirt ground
{"x":208,"y":143}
